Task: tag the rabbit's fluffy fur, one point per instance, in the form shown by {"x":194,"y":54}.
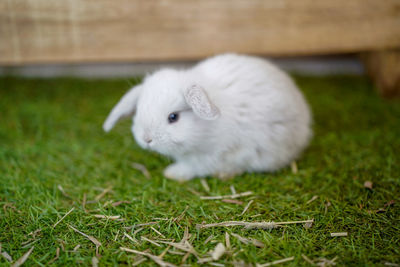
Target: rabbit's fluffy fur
{"x":236,"y":113}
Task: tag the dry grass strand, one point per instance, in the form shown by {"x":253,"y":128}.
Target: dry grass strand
{"x":312,"y":199}
{"x":156,"y":259}
{"x":150,"y":241}
{"x":293,"y":166}
{"x":244,"y":194}
{"x":233,"y":190}
{"x":5,"y":254}
{"x":208,"y":239}
{"x":157,"y":232}
{"x":339,"y":234}
{"x":232,"y":201}
{"x":102,"y":194}
{"x":95,"y":262}
{"x":227,"y":240}
{"x":91,"y":238}
{"x":205,"y":185}
{"x":66,"y":214}
{"x":246,"y":208}
{"x":275,"y":262}
{"x":24,"y":257}
{"x":131,"y":238}
{"x":251,"y":225}
{"x":142,"y":169}
{"x":247,"y":241}
{"x":218,"y":251}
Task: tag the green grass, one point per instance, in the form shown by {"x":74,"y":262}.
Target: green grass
{"x":50,"y":135}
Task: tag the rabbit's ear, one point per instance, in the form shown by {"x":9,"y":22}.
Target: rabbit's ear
{"x":125,"y":108}
{"x":201,"y":104}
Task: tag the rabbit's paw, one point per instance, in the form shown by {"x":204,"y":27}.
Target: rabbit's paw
{"x":227,"y":175}
{"x":178,"y":172}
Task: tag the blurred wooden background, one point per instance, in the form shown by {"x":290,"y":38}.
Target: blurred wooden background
{"x":76,"y":31}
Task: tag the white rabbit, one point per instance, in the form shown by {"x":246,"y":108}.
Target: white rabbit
{"x":226,"y":115}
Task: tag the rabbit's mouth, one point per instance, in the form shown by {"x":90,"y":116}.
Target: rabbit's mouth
{"x":167,"y":149}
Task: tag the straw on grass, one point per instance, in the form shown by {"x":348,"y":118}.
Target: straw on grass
{"x":251,"y":225}
{"x":131,"y":238}
{"x":63,"y":192}
{"x":156,"y":259}
{"x":116,"y":236}
{"x":27,"y":242}
{"x":114,"y":218}
{"x":328,"y":204}
{"x":368,"y":184}
{"x":308,"y":225}
{"x":391,"y":264}
{"x":150,"y":241}
{"x":205,"y":185}
{"x":137,"y":230}
{"x":5,"y":254}
{"x":62,"y":244}
{"x":34,"y":233}
{"x":66,"y":214}
{"x":227,"y":240}
{"x":339,"y":234}
{"x":312,"y":199}
{"x":95,"y":262}
{"x":246,"y":208}
{"x":307,"y":259}
{"x":164,"y":252}
{"x":233,"y":190}
{"x":244,"y":194}
{"x":216,"y":264}
{"x":275,"y":262}
{"x":247,"y":241}
{"x":84,"y":203}
{"x":24,"y":257}
{"x":27,"y":245}
{"x":102,"y":194}
{"x":179,"y":218}
{"x":194,"y":192}
{"x":186,"y":236}
{"x":232,"y":201}
{"x":10,"y":205}
{"x":293,"y":166}
{"x":186,"y":246}
{"x":56,"y":257}
{"x":208,"y":239}
{"x":145,"y":224}
{"x":142,"y":169}
{"x":218,"y":251}
{"x":326,"y":262}
{"x":139,"y":261}
{"x":155,"y":230}
{"x":185,"y":257}
{"x":204,"y":260}
{"x":91,"y":238}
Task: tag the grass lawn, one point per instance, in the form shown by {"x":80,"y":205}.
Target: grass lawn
{"x":54,"y":155}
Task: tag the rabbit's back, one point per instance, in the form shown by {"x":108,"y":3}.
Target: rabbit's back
{"x":264,"y":117}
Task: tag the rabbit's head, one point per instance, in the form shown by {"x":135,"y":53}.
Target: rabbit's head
{"x":171,"y":112}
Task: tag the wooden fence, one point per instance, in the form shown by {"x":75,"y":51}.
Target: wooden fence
{"x":69,"y":31}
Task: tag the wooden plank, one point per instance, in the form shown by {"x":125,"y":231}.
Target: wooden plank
{"x":40,"y":31}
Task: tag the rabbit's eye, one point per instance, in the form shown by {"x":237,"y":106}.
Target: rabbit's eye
{"x":173,"y":117}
